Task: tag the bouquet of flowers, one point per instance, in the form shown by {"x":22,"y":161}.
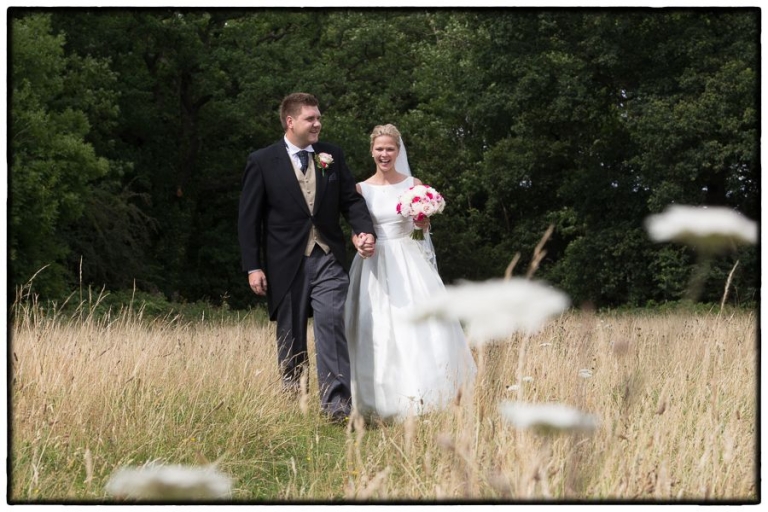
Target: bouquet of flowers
{"x":418,"y":203}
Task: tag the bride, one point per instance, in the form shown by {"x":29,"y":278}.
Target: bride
{"x":399,"y":368}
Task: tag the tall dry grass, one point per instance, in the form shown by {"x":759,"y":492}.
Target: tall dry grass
{"x":675,"y":394}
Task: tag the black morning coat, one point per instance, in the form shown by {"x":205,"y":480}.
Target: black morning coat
{"x":274,"y":220}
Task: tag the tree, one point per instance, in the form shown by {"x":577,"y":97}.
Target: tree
{"x":587,"y":119}
{"x":52,"y":165}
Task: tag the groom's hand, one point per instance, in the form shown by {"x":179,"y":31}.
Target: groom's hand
{"x":258,"y":281}
{"x":366,"y":244}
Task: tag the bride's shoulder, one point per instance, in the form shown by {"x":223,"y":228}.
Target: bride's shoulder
{"x":407,"y":179}
{"x":361,"y":186}
{"x":417,"y":181}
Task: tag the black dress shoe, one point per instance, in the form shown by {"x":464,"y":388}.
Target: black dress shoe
{"x":339,"y":417}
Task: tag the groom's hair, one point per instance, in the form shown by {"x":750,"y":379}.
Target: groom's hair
{"x":291,"y":105}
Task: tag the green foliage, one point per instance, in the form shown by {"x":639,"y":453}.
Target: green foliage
{"x":130,"y":130}
{"x":52,"y":165}
{"x":100,"y":304}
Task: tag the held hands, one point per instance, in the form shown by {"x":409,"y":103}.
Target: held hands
{"x":258,"y":282}
{"x":365,"y":244}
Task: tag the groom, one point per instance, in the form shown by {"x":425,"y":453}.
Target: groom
{"x":292,"y":246}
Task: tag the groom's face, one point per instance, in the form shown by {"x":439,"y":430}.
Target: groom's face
{"x":304,"y":129}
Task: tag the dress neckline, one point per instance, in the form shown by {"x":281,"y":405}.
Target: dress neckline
{"x":388,"y":184}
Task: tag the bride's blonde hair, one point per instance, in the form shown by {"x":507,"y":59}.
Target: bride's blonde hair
{"x":386,"y":129}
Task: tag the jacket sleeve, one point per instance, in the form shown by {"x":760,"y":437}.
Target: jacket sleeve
{"x":250,"y":216}
{"x":352,"y":204}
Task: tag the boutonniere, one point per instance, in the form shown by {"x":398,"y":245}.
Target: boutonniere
{"x":323,"y":161}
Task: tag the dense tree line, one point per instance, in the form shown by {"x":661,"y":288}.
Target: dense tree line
{"x":129,"y":130}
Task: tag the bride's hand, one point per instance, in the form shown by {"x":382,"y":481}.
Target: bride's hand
{"x":422,"y":224}
{"x":364,"y":243}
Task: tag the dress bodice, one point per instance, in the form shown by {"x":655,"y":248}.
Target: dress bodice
{"x":382,"y":204}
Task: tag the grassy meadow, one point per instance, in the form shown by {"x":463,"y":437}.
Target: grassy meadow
{"x":675,"y":394}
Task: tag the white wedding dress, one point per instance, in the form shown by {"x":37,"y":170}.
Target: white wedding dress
{"x":399,"y":368}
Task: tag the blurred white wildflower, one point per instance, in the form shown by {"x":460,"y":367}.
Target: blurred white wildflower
{"x":706,"y":228}
{"x":585,"y":373}
{"x":169,"y":483}
{"x":546,"y":418}
{"x":545,"y":345}
{"x":513,"y":387}
{"x":495,"y":309}
{"x":527,"y":378}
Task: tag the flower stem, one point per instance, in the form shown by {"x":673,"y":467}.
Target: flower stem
{"x":417,"y":234}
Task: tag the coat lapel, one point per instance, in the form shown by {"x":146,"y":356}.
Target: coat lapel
{"x":321,"y":184}
{"x":321,"y":178}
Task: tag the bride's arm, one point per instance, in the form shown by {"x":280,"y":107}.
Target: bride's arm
{"x":364,"y":243}
{"x":355,"y":238}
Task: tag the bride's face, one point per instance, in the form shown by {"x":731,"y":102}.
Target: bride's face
{"x":384,"y":152}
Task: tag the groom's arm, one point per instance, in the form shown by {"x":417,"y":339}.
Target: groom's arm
{"x":352,"y":204}
{"x":250,"y":216}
